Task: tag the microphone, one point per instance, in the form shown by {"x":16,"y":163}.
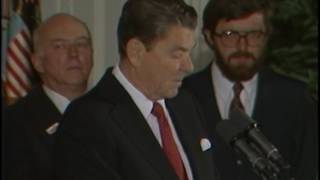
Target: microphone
{"x":256,"y":136}
{"x":233,"y":134}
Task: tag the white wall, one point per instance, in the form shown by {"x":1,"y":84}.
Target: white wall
{"x":102,"y":18}
{"x":201,"y":54}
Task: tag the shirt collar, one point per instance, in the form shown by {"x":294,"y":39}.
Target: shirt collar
{"x":222,"y":85}
{"x":250,"y":86}
{"x":143,"y":103}
{"x":58,"y":100}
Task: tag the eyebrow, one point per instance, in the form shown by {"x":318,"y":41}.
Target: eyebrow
{"x":78,"y":38}
{"x":184,"y":49}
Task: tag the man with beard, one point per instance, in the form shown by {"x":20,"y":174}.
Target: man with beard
{"x":237,"y":31}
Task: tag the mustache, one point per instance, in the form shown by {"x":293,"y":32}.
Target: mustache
{"x":242,"y":54}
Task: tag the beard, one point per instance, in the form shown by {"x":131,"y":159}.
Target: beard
{"x":238,"y":70}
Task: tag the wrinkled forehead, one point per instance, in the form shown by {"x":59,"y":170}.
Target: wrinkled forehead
{"x":250,"y":22}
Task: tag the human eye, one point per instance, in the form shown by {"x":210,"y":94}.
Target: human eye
{"x":83,"y":43}
{"x":178,"y":53}
{"x":230,"y":34}
{"x":258,"y":34}
{"x":58,"y":45}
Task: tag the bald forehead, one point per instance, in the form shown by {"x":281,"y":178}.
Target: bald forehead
{"x":59,"y":27}
{"x":62,"y":21}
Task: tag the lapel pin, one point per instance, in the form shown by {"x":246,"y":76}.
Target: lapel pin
{"x":52,"y":129}
{"x":205,"y":144}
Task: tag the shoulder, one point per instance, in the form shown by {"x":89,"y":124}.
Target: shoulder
{"x":88,"y":103}
{"x":85,"y":111}
{"x":183,"y":97}
{"x":186,"y":103}
{"x":285,"y":90}
{"x":22,"y":105}
{"x":282,"y":83}
{"x":198,"y":77}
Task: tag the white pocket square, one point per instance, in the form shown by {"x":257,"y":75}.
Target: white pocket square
{"x":52,"y":129}
{"x":205,"y":144}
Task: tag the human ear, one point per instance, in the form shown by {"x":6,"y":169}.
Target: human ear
{"x":37,"y":62}
{"x":208,"y":37}
{"x":135,"y":51}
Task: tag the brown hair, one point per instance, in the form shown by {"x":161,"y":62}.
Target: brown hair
{"x":148,"y":20}
{"x":217,"y":10}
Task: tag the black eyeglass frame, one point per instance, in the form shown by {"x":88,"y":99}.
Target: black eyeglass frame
{"x":257,"y":37}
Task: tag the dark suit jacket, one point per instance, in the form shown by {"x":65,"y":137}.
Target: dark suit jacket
{"x":286,"y":115}
{"x":27,"y":146}
{"x":104,"y":136}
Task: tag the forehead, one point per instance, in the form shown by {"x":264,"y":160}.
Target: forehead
{"x":64,"y":28}
{"x":254,"y":21}
{"x":179,"y":36}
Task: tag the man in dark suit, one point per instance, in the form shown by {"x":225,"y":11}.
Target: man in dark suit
{"x":134,"y":124}
{"x":63,"y":58}
{"x":237,"y":31}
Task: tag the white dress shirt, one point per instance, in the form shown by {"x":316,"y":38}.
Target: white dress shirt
{"x":58,"y":100}
{"x":224,"y":92}
{"x":145,"y":106}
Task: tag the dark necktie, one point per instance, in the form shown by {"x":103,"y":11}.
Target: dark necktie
{"x":236,"y":102}
{"x":168,"y":144}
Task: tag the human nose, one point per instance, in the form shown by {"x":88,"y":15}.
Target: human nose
{"x":187,"y":64}
{"x":72,"y":50}
{"x":243,"y":43}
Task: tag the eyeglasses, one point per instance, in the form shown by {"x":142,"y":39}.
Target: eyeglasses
{"x":232,"y":38}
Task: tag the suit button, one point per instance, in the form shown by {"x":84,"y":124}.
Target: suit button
{"x":239,"y":162}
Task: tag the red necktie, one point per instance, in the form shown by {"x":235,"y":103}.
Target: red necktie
{"x":168,"y":144}
{"x":236,"y":102}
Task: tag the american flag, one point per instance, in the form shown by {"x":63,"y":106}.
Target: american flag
{"x":18,"y":75}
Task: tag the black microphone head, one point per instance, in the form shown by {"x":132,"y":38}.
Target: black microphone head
{"x":234,"y":127}
{"x":227,"y":130}
{"x":241,"y":119}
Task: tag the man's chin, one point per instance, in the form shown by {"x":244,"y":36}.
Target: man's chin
{"x":242,"y":76}
{"x":173,"y":93}
{"x":242,"y":73}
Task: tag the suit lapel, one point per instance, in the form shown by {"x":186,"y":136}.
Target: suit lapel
{"x":263,"y":99}
{"x":189,"y":139}
{"x":45,"y":116}
{"x":208,"y":86}
{"x":133,"y":124}
{"x":130,"y":120}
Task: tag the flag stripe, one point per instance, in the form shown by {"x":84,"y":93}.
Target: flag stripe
{"x":25,"y":37}
{"x":16,"y":67}
{"x":14,"y":86}
{"x":15,"y":83}
{"x":20,"y":62}
{"x":11,"y":90}
{"x":18,"y":73}
{"x":23,"y":59}
{"x":22,"y":81}
{"x":21,"y":54}
{"x":21,"y":45}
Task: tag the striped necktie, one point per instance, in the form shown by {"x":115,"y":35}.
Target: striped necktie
{"x":236,"y":101}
